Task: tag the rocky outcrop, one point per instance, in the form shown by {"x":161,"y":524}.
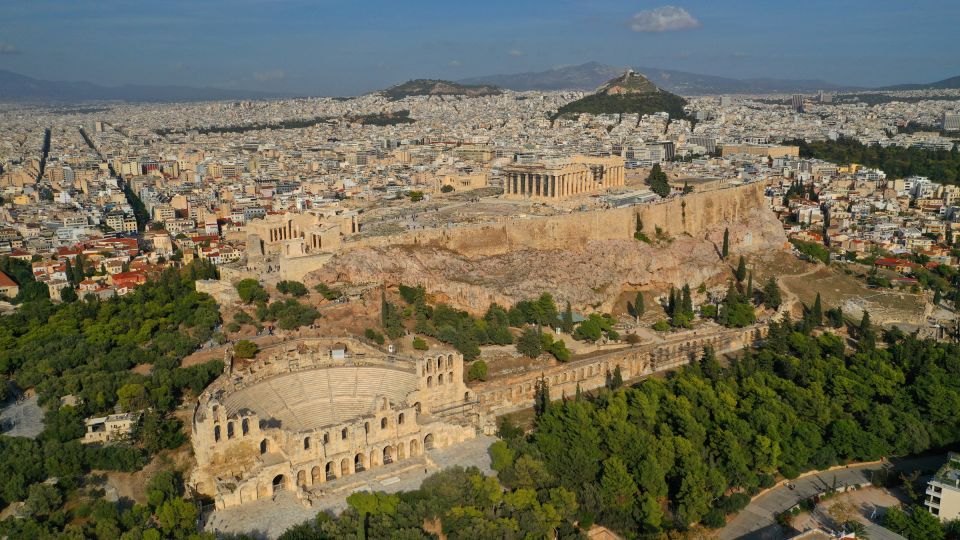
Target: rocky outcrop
{"x":587,"y":259}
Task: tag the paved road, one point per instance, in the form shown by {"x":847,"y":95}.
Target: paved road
{"x":756,"y":521}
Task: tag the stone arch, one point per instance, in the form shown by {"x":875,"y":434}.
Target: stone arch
{"x":343,"y":434}
{"x":414,"y":448}
{"x":430,"y":381}
{"x":245,"y":426}
{"x":440,"y":379}
{"x":216,"y":433}
{"x":230,"y":430}
{"x":306,"y":443}
{"x":428,"y":442}
{"x":366,"y":427}
{"x":263,"y":446}
{"x":388,"y":453}
{"x":248,"y":492}
{"x":400,"y":418}
{"x":302,"y":478}
{"x":326,"y":438}
{"x":279,"y":483}
{"x":439,"y":363}
{"x":344,"y":467}
{"x":359,"y":462}
{"x":384,"y":423}
{"x":466,"y":396}
{"x":315,"y":474}
{"x":450,"y":377}
{"x":450,"y":361}
{"x":330,"y":470}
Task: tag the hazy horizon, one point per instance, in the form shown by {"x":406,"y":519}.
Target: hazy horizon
{"x":325,"y":48}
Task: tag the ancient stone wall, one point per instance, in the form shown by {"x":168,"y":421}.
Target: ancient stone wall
{"x":505,"y":394}
{"x":693,"y":214}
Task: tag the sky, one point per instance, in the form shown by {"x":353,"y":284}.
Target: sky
{"x":348,"y":47}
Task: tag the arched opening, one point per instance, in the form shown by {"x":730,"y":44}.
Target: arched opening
{"x":245,"y":426}
{"x":450,"y":377}
{"x":306,"y":443}
{"x":450,"y":361}
{"x":387,"y":455}
{"x":417,"y":407}
{"x":229,"y":430}
{"x":466,"y":396}
{"x":216,"y":433}
{"x":326,"y":438}
{"x":439,"y":363}
{"x":400,"y":418}
{"x":315,"y":477}
{"x":344,"y":467}
{"x":302,"y":478}
{"x":414,"y":448}
{"x":278,"y":483}
{"x":366,"y":427}
{"x":263,"y":446}
{"x":343,"y":433}
{"x":440,"y":379}
{"x":430,"y":382}
{"x":428,"y":442}
{"x":358,"y":463}
{"x":383,"y":423}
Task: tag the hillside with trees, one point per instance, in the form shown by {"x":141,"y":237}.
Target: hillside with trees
{"x":630,"y":93}
{"x":897,"y":162}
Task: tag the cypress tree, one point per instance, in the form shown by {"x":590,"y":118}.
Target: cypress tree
{"x":687,"y":302}
{"x":741,"y":272}
{"x":750,"y":287}
{"x":638,"y":307}
{"x":726,"y":244}
{"x":69,"y":272}
{"x":816,"y":314}
{"x":567,"y":320}
{"x":671,"y":302}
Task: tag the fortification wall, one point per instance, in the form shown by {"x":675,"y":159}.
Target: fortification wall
{"x":693,"y":214}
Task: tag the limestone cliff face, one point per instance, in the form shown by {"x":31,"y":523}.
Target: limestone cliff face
{"x":586,"y":258}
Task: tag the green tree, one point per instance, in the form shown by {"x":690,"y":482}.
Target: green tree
{"x":251,"y":291}
{"x":293,"y":288}
{"x":638,"y":306}
{"x":657,"y":180}
{"x":541,"y":397}
{"x":162,"y":487}
{"x":566,"y":324}
{"x":866,"y":335}
{"x":420,"y":344}
{"x":725,"y":251}
{"x":43,"y":499}
{"x":478,"y":371}
{"x":816,"y":313}
{"x":771,"y":294}
{"x":245,"y":349}
{"x":68,"y":294}
{"x":741,"y":272}
{"x":177,"y":518}
{"x":618,"y":493}
{"x":529,"y":343}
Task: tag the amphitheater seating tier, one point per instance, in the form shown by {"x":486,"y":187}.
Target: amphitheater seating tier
{"x":315,"y":398}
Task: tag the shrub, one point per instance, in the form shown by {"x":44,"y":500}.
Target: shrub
{"x":245,"y":349}
{"x":661,"y":326}
{"x":293,"y":288}
{"x":420,"y":344}
{"x":374,"y":336}
{"x":478,"y":371}
{"x":251,"y":291}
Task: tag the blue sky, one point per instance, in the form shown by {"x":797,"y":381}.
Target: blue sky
{"x":353,"y":46}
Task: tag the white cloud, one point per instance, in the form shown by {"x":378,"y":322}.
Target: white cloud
{"x":272,"y":75}
{"x":515,"y":52}
{"x":663,"y":19}
{"x":8,"y":48}
{"x":455,"y":63}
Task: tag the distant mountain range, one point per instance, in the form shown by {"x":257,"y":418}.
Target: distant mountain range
{"x":945,"y":84}
{"x":434,"y":87}
{"x":589,"y":76}
{"x":629,"y":93}
{"x":16,"y":87}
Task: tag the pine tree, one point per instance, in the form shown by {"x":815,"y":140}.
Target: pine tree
{"x":771,"y":294}
{"x":657,"y":179}
{"x":638,"y":307}
{"x":725,"y":252}
{"x":816,"y":314}
{"x":741,"y":272}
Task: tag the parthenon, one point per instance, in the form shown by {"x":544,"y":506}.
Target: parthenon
{"x":562,"y":178}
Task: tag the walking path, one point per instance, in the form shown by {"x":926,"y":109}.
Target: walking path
{"x":757,"y":520}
